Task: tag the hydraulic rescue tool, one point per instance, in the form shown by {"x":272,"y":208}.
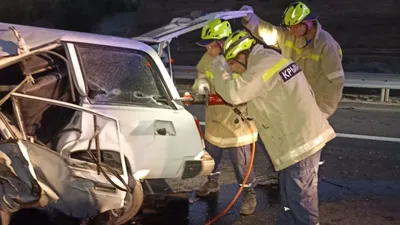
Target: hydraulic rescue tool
{"x":198,"y":99}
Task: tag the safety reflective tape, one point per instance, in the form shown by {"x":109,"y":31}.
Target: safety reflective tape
{"x":290,"y":44}
{"x":235,"y":75}
{"x":209,"y":75}
{"x":340,"y":51}
{"x":233,"y":140}
{"x":335,"y":74}
{"x":274,"y":69}
{"x":314,"y":57}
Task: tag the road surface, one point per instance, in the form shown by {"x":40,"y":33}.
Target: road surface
{"x":359,"y":183}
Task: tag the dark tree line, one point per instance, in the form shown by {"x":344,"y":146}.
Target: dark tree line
{"x":79,"y":15}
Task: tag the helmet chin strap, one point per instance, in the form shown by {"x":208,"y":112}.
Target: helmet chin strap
{"x":220,"y":48}
{"x":244,"y":65}
{"x":245,"y":59}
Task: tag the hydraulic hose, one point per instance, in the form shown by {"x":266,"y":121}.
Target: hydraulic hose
{"x":215,"y":99}
{"x":253,"y":151}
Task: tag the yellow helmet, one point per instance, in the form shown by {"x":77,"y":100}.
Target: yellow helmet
{"x":215,"y":30}
{"x":238,"y":42}
{"x":295,"y":13}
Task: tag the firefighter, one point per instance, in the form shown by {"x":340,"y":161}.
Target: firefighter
{"x":224,"y":129}
{"x":287,"y":117}
{"x":302,"y":39}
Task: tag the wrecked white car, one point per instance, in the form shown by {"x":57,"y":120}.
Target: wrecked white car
{"x":88,"y":119}
{"x":92,"y":115}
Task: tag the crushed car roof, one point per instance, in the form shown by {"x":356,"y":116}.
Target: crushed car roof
{"x":36,"y":37}
{"x":183,"y":25}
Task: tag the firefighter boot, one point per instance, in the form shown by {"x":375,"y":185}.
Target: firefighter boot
{"x":209,"y":187}
{"x":249,"y":201}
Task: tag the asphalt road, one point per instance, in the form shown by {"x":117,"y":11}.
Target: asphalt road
{"x":359,"y":182}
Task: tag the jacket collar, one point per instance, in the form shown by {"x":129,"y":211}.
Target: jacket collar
{"x":300,"y":42}
{"x":317,"y":33}
{"x":252,"y":60}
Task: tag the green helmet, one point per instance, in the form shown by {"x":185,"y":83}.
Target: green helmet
{"x":216,"y":30}
{"x":295,"y":13}
{"x":238,"y":42}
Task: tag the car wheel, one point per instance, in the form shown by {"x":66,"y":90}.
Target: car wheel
{"x":133,"y":203}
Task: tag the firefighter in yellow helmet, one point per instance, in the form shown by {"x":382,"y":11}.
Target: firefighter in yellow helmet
{"x":302,"y":39}
{"x":224,"y":129}
{"x":289,"y":121}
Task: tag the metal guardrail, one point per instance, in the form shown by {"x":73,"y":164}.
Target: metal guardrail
{"x":357,"y":136}
{"x":383,"y":81}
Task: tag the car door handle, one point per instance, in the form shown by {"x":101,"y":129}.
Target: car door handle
{"x":161,"y":131}
{"x":164,"y":128}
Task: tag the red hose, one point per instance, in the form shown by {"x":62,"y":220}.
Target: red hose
{"x":215,"y":99}
{"x":233,"y":201}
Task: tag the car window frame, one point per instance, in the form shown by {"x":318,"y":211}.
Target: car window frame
{"x":157,"y":74}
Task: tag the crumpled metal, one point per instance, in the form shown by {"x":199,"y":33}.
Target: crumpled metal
{"x":18,"y":188}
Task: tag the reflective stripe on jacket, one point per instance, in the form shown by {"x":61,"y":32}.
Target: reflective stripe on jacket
{"x":281,"y":102}
{"x":321,"y":59}
{"x":224,"y":128}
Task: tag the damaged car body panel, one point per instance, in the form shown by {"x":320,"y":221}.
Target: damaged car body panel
{"x":19,"y":185}
{"x":76,"y":187}
{"x":73,"y":183}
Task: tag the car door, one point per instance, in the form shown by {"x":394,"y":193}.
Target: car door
{"x":133,"y":86}
{"x":80,"y":183}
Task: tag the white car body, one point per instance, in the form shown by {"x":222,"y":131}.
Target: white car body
{"x":150,"y":155}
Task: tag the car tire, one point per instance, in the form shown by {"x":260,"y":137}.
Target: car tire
{"x":133,"y":203}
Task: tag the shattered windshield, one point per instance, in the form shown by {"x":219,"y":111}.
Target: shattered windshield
{"x":121,"y":76}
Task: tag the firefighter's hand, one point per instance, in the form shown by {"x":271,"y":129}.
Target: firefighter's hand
{"x":249,"y":8}
{"x":203,"y":88}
